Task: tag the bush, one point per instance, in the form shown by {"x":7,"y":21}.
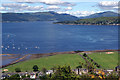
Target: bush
{"x":91,"y":60}
{"x":80,"y":66}
{"x":15,"y":77}
{"x":17,"y":70}
{"x":35,"y":68}
{"x":44,"y":70}
{"x":85,"y":55}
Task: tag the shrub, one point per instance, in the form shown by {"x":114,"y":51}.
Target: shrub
{"x":35,"y":68}
{"x":44,"y":70}
{"x":15,"y":77}
{"x":85,"y":55}
{"x":17,"y":70}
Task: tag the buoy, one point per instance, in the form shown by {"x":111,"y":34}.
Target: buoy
{"x":18,"y":48}
{"x":8,"y":36}
{"x":13,"y":47}
{"x":8,"y":46}
{"x":36,"y":47}
{"x":2,"y":46}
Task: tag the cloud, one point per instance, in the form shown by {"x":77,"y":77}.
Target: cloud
{"x":68,"y":8}
{"x":78,"y":13}
{"x":8,"y":9}
{"x":33,"y":8}
{"x":2,"y":9}
{"x":53,"y":8}
{"x":108,"y":5}
{"x":47,"y":2}
{"x":24,"y":7}
{"x":14,"y":5}
{"x":17,"y":7}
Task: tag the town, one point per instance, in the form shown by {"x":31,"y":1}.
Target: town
{"x":89,"y":70}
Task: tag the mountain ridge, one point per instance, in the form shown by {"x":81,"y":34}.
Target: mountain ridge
{"x":101,"y":14}
{"x":38,"y":16}
{"x":93,"y":21}
{"x":50,"y":16}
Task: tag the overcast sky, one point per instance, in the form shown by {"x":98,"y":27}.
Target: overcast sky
{"x":73,"y":7}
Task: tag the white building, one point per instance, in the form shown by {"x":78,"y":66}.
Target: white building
{"x":49,"y":72}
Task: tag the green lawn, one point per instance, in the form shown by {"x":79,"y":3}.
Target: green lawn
{"x":107,"y":61}
{"x":48,"y":62}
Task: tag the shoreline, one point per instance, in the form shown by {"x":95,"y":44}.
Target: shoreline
{"x":21,"y":21}
{"x":68,"y":52}
{"x":60,"y":23}
{"x":89,"y":24}
{"x":35,"y":56}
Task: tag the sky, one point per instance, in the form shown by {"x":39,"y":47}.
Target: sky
{"x":77,"y":8}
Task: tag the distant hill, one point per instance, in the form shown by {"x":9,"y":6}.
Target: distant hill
{"x":102,"y":14}
{"x":93,"y":21}
{"x":38,"y":16}
{"x":50,"y":16}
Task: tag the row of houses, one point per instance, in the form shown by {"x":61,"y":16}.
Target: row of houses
{"x":79,"y":71}
{"x":32,"y":75}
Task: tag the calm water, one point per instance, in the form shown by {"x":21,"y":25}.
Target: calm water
{"x":45,"y":37}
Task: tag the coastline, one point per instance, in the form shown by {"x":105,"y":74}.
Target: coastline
{"x":21,"y":21}
{"x":88,"y":24}
{"x":35,"y":56}
{"x":59,"y":23}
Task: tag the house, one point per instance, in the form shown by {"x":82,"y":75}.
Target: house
{"x":117,"y":68}
{"x":99,"y":71}
{"x":49,"y":72}
{"x":80,"y":71}
{"x":32,"y":75}
{"x":40,"y":74}
{"x":109,"y":70}
{"x":4,"y":76}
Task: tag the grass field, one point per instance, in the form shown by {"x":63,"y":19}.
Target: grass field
{"x":107,"y":61}
{"x":48,"y":62}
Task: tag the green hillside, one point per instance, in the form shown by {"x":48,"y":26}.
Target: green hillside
{"x":49,"y":62}
{"x":106,"y":61}
{"x":38,"y":16}
{"x":93,"y":21}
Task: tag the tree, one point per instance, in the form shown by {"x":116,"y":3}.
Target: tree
{"x":64,"y":73}
{"x":35,"y":68}
{"x":17,"y":70}
{"x":78,"y":51}
{"x":91,"y":60}
{"x":85,"y":55}
{"x":53,"y":68}
{"x":15,"y":77}
{"x":98,"y":66}
{"x":44,"y":70}
{"x":95,"y":63}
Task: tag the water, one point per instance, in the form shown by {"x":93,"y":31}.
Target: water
{"x":45,"y":37}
